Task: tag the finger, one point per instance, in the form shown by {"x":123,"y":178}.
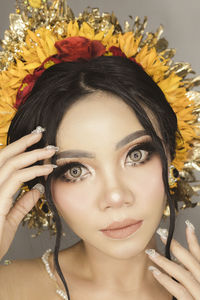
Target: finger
{"x":23,"y":160}
{"x":9,"y":224}
{"x":8,"y":189}
{"x":173,"y":287}
{"x":192,"y":240}
{"x":186,"y":258}
{"x":178,"y":272}
{"x":22,"y":207}
{"x":19,"y":146}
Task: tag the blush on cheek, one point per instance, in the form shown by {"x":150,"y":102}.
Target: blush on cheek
{"x":71,"y":200}
{"x":146,"y":183}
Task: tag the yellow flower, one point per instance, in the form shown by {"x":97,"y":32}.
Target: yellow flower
{"x":40,"y":45}
{"x":128,"y":43}
{"x":72,"y":29}
{"x":86,"y":31}
{"x":152,"y":63}
{"x":35,"y":3}
{"x":7,"y":113}
{"x":49,"y":64}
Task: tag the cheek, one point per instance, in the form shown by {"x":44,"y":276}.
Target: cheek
{"x":147,"y":186}
{"x":72,"y":200}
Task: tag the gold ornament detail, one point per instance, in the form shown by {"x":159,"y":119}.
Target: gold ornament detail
{"x":35,"y":3}
{"x":38,"y":24}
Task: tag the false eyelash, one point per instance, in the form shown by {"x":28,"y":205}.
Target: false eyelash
{"x":61,"y":170}
{"x":147,"y":146}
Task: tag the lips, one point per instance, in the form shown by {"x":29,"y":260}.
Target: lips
{"x":122,"y":230}
{"x":120,"y":225}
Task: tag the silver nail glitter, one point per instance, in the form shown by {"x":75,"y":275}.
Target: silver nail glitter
{"x":151,"y":252}
{"x":39,"y":187}
{"x":38,"y":130}
{"x":154,"y":270}
{"x":51,"y":147}
{"x":162,"y":232}
{"x":190,"y":225}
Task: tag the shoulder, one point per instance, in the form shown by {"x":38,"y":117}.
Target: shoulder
{"x":21,"y":278}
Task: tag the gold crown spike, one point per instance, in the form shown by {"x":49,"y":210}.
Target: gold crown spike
{"x":38,"y":24}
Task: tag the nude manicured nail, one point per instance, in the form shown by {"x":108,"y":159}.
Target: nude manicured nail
{"x":151,"y":252}
{"x":190,"y":225}
{"x":38,"y":130}
{"x":162,"y":232}
{"x":51,"y":166}
{"x":39,"y":187}
{"x":51,"y":147}
{"x":154,"y":270}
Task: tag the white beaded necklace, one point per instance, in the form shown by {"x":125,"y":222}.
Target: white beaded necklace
{"x":45,"y":259}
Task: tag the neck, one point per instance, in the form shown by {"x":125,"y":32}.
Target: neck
{"x":125,"y":275}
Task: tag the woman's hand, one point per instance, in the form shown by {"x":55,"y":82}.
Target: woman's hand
{"x":14,"y":171}
{"x":187,"y":272}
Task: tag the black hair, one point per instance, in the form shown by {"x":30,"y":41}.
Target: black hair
{"x":63,"y":84}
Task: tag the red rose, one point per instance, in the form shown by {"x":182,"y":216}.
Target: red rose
{"x":24,"y":90}
{"x":116,"y":51}
{"x":29,"y":81}
{"x":50,"y":61}
{"x":133,"y":59}
{"x":75,"y":48}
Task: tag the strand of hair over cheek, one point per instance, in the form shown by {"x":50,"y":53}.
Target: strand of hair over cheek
{"x":58,"y":232}
{"x":172,"y":207}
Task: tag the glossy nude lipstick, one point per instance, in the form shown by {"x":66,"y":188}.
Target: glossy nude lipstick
{"x":121,"y":230}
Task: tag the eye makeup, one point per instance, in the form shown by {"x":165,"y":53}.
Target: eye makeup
{"x":74,"y":171}
{"x":141,"y":153}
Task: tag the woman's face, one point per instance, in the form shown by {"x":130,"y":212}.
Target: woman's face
{"x":110,"y":172}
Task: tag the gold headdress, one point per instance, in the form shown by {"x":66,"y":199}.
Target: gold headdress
{"x":39,"y":25}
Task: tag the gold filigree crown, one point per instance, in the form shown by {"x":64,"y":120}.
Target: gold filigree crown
{"x":35,"y":29}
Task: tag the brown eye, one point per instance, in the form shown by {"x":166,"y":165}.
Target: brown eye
{"x":75,"y":172}
{"x":136,"y":155}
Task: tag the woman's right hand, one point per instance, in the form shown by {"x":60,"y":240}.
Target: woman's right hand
{"x":14,"y":171}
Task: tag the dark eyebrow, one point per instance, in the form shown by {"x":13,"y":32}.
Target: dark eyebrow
{"x":79,"y":153}
{"x":129,"y":138}
{"x":74,"y":154}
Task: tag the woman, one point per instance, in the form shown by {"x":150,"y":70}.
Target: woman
{"x":97,"y":136}
{"x":114,"y":139}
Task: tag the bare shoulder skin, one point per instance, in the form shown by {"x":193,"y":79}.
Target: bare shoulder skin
{"x":26,"y":279}
{"x":29,"y":280}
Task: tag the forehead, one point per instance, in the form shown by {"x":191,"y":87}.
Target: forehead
{"x":97,"y":118}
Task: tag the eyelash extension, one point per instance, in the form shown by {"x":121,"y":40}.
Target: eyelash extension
{"x":146,"y":146}
{"x":60,"y":171}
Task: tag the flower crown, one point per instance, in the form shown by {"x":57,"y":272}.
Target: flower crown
{"x":44,"y":33}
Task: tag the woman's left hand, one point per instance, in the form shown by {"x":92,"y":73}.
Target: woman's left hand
{"x":187,"y":272}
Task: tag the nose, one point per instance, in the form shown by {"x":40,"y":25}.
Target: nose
{"x":116,"y":195}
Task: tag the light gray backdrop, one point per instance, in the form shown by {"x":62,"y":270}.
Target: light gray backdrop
{"x":181,"y":21}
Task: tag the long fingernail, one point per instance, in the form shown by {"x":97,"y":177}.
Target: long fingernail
{"x":39,"y":187}
{"x":51,"y":147}
{"x":38,"y":130}
{"x":154,"y":270}
{"x":190,"y":225}
{"x":163,"y":232}
{"x":51,"y":166}
{"x":151,"y":252}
